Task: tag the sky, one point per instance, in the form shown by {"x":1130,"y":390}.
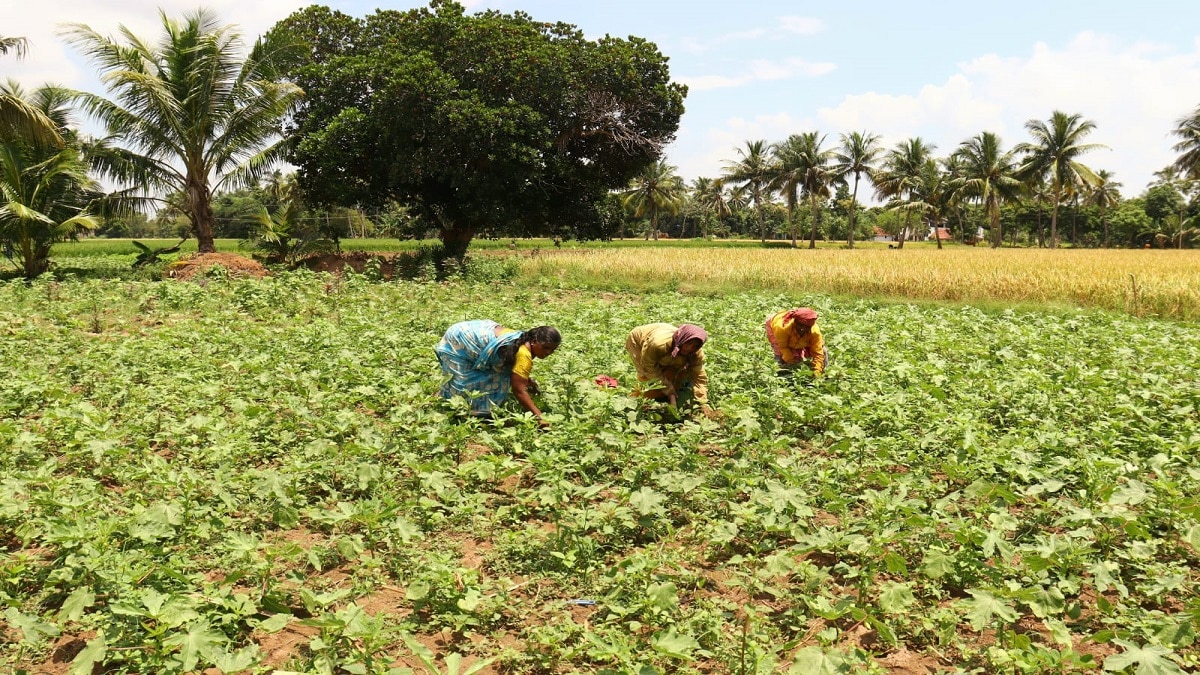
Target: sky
{"x":944,"y":71}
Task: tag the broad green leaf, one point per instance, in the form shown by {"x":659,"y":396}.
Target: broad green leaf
{"x":274,"y":624}
{"x":1046,"y":602}
{"x":236,"y":661}
{"x":815,"y":661}
{"x":470,"y":601}
{"x":895,"y":563}
{"x":33,"y":629}
{"x":199,"y":640}
{"x":983,"y":607}
{"x":73,"y":607}
{"x":937,"y":564}
{"x":647,"y":501}
{"x":663,"y":597}
{"x":896,"y":598}
{"x":85,"y":661}
{"x":1059,"y":632}
{"x":675,"y":645}
{"x":1132,"y":493}
{"x":1150,"y":659}
{"x":418,"y":590}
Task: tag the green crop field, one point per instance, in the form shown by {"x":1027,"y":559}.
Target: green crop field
{"x":257,"y":476}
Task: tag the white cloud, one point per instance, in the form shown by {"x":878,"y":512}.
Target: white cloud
{"x":760,"y":70}
{"x":801,"y":25}
{"x":785,"y":27}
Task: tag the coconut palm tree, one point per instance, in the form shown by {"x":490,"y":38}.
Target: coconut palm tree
{"x":901,"y":174}
{"x":1188,"y":147}
{"x":753,"y":170}
{"x":988,"y":174}
{"x":1054,"y":154}
{"x":16,"y":45}
{"x":656,"y":190}
{"x":858,"y":155}
{"x":18,"y":119}
{"x":189,"y":112}
{"x":709,"y":196}
{"x":1105,"y":194}
{"x":786,"y":172}
{"x":931,"y":198}
{"x":46,"y":195}
{"x":801,"y":163}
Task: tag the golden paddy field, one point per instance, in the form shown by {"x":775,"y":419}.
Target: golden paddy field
{"x":1162,"y":283}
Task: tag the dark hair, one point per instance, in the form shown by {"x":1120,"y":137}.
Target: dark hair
{"x":546,"y":335}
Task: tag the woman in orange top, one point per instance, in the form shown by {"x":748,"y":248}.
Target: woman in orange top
{"x":795,"y":338}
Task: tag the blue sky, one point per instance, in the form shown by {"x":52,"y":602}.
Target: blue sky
{"x":764,"y":70}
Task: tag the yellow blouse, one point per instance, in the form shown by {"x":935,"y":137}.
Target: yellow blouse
{"x":649,"y":347}
{"x":791,"y":348}
{"x":523,"y":366}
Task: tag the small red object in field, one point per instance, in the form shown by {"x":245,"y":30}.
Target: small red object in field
{"x":607,"y":382}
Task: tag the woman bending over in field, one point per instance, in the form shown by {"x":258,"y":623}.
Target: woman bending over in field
{"x":672,"y":359}
{"x":486,"y":358}
{"x":796,"y":340}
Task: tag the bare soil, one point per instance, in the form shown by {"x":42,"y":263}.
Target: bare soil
{"x":191,"y":265}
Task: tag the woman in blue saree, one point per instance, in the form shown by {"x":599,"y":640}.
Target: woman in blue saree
{"x":488,"y":361}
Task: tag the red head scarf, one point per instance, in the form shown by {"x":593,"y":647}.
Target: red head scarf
{"x":684,"y":333}
{"x":804,"y":316}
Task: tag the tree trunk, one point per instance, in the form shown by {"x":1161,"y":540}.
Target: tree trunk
{"x":762,"y":226}
{"x":903,"y":230}
{"x":792,"y":223}
{"x":812,"y":239}
{"x":937,"y":236}
{"x":1074,"y":212}
{"x":1041,"y":230}
{"x":1104,"y":221}
{"x":202,"y":226}
{"x":1054,"y":223}
{"x":853,"y":203}
{"x":456,"y":239}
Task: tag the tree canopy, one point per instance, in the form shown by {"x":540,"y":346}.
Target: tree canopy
{"x":482,"y":123}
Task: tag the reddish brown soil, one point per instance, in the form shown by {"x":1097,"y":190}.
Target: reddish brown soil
{"x":195,"y":264}
{"x":336,"y":263}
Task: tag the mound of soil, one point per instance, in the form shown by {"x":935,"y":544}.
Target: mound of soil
{"x":336,"y":263}
{"x":194,"y":264}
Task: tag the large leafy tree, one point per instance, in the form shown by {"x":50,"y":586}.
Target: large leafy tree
{"x":857,"y":156}
{"x":657,"y":189}
{"x":189,"y":113}
{"x":753,"y":170}
{"x":989,"y":174}
{"x":902,"y":174}
{"x":1053,"y":156}
{"x":46,"y":195}
{"x":479,"y":122}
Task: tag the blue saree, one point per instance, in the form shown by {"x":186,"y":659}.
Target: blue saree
{"x":469,"y":353}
